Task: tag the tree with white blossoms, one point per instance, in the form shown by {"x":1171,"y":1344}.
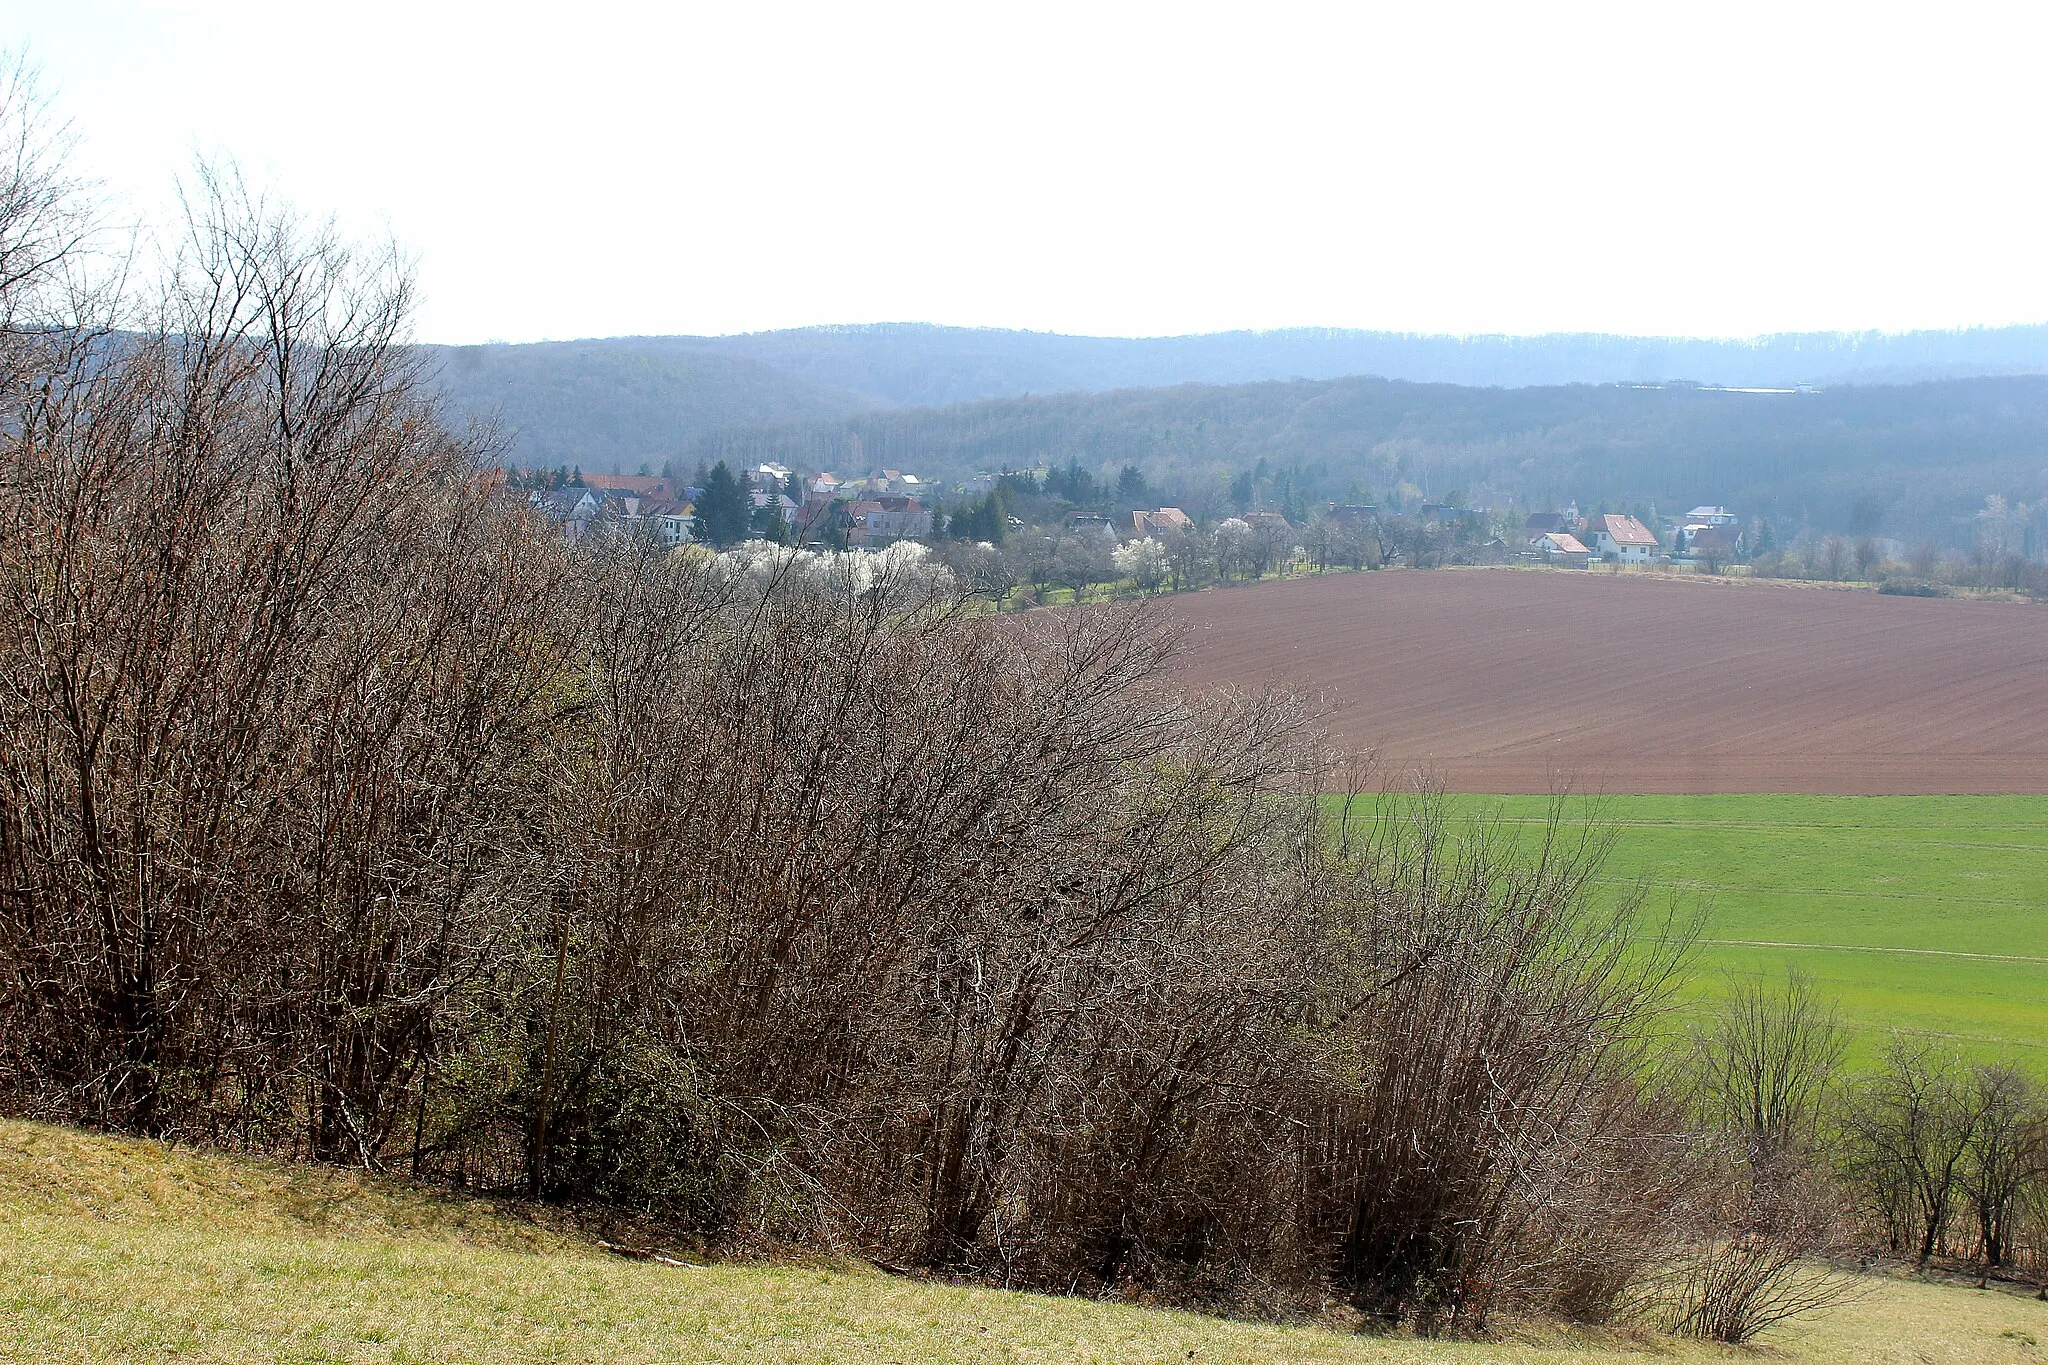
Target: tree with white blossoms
{"x":1233,"y":546}
{"x":1143,"y":562}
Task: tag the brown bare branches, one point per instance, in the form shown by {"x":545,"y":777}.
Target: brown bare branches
{"x":346,"y":811}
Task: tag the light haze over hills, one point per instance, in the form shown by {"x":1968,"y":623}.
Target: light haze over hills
{"x":618,"y":402}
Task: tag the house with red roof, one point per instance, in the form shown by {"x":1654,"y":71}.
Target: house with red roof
{"x":1620,"y":539}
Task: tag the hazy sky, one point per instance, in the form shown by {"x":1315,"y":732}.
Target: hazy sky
{"x":582,"y":169}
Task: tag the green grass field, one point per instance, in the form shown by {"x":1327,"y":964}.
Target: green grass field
{"x":1920,"y":913}
{"x":114,"y":1250}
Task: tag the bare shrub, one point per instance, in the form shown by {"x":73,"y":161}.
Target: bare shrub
{"x":1762,"y":1214}
{"x":1765,"y":1067}
{"x":1755,"y":1261}
{"x":1478,"y":1049}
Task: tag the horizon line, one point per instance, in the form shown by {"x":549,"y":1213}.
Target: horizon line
{"x":1730,"y":340}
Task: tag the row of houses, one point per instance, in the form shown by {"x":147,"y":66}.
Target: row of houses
{"x":627,"y":504}
{"x":886,"y":506}
{"x":1616,"y":538}
{"x":873,"y":511}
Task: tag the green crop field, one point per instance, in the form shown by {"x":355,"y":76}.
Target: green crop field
{"x":1921,"y":913}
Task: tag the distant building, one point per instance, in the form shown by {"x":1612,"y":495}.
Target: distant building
{"x":1444,"y":511}
{"x":784,"y":506}
{"x":1710,"y":516}
{"x":1620,"y":539}
{"x":1144,"y":525}
{"x":893,"y":482}
{"x":571,"y":509}
{"x":1711,"y":540}
{"x":668,"y":522}
{"x":1563,"y":547}
{"x":596,"y":510}
{"x":874,"y":522}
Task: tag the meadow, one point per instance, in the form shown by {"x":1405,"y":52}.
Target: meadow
{"x":1920,"y":913}
{"x":114,"y":1250}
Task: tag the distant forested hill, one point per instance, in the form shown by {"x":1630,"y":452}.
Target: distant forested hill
{"x":909,"y":363}
{"x":614,"y":405}
{"x":1909,"y":461}
{"x":1533,"y":418}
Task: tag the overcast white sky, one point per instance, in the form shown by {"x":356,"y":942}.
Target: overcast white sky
{"x":586,"y":169}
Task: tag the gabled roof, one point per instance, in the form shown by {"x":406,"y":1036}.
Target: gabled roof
{"x":1564,"y":542}
{"x":566,"y":499}
{"x":1624,"y":530}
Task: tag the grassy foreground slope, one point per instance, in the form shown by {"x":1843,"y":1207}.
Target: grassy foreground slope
{"x":114,"y":1250}
{"x":1922,"y":913}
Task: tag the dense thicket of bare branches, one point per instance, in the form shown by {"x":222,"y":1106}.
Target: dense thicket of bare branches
{"x":268,"y":660}
{"x":347,"y":812}
{"x":1950,"y":1158}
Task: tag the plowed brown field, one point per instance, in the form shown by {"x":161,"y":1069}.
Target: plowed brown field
{"x":1518,"y":681}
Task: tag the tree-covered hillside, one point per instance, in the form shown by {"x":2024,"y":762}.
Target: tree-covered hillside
{"x":616,"y":404}
{"x":612,"y":404}
{"x":913,"y":363}
{"x":1909,"y":461}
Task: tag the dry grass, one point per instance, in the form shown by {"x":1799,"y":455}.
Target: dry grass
{"x":126,"y":1251}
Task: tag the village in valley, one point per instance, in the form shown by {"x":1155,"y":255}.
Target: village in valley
{"x":825,"y":511}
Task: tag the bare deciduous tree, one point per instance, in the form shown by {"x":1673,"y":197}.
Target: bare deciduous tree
{"x":1766,"y":1063}
{"x":1907,"y":1137}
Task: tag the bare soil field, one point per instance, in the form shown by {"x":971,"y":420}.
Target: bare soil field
{"x":1517,"y":681}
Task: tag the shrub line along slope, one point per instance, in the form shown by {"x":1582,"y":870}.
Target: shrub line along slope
{"x":1504,"y":681}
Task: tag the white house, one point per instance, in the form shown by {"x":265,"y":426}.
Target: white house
{"x":1620,"y":539}
{"x":1710,"y":516}
{"x":671,"y":523}
{"x":1562,"y":545}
